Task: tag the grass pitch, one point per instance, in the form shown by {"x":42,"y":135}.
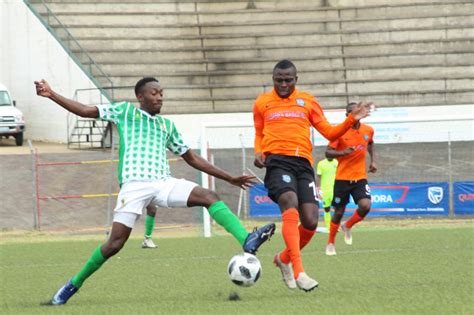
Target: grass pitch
{"x":421,"y":269}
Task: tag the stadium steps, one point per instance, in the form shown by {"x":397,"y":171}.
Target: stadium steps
{"x":223,"y":54}
{"x":88,"y":133}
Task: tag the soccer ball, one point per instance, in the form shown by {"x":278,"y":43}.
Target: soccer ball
{"x":244,"y":269}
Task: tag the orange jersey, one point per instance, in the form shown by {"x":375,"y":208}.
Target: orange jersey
{"x":352,"y":166}
{"x":282,"y":126}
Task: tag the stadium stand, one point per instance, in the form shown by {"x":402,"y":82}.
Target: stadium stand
{"x":216,"y":56}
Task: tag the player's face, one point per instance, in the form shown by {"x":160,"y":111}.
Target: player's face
{"x":284,"y":81}
{"x":151,"y":98}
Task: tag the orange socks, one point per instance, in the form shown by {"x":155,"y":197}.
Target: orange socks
{"x":332,"y":232}
{"x":354,"y":219}
{"x":291,"y":236}
{"x":305,"y":236}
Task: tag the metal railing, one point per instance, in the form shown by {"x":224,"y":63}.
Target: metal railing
{"x":77,"y":53}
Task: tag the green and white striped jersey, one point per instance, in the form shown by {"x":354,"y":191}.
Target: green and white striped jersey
{"x":143,"y":142}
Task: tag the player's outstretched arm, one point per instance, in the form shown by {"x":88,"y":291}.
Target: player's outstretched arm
{"x":43,"y":89}
{"x":201,"y":164}
{"x":330,"y":132}
{"x":333,"y":153}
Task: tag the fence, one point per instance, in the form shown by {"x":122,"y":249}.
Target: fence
{"x":417,"y":149}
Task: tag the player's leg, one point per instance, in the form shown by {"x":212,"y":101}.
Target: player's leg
{"x":118,"y":236}
{"x":149,"y":225}
{"x":308,"y":211}
{"x":296,"y":236}
{"x":327,"y":200}
{"x":341,"y":199}
{"x":281,"y":180}
{"x":125,"y":216}
{"x":186,"y":193}
{"x":361,"y":195}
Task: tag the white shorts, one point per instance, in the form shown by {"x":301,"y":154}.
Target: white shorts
{"x":135,"y":196}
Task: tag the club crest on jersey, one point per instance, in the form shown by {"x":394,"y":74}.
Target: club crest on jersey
{"x":300,"y":101}
{"x":286,"y":178}
{"x":366,"y":137}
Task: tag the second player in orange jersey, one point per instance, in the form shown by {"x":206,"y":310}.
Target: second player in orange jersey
{"x":351,"y":178}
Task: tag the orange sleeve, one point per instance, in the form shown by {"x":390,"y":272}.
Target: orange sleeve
{"x":331,"y":132}
{"x":333,"y":144}
{"x":258,"y":124}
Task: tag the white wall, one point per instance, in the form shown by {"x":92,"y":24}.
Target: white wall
{"x":28,"y":52}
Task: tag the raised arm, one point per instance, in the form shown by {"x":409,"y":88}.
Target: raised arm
{"x":201,"y":164}
{"x":330,"y":132}
{"x":43,"y":89}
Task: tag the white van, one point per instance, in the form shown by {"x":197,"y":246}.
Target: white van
{"x":11,"y":119}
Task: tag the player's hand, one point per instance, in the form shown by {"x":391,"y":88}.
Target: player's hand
{"x":243,"y":181}
{"x":348,"y":150}
{"x":362,"y":110}
{"x":372,"y":167}
{"x":259,"y":160}
{"x":43,"y":88}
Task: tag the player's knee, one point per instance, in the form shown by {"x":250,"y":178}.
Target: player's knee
{"x":210,"y":197}
{"x":288,"y":200}
{"x":310,"y":224}
{"x":337,"y":216}
{"x":112,"y":247}
{"x":364,"y":206}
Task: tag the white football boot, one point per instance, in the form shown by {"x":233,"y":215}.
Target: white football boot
{"x":286,"y":272}
{"x":148,"y":243}
{"x":330,"y":250}
{"x":305,"y":283}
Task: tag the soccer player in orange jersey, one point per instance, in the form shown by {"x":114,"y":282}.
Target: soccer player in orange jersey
{"x":282,"y":119}
{"x":351,"y":178}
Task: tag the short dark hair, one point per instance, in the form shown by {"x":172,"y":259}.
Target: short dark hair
{"x":142,"y":82}
{"x":284,"y":64}
{"x":349,"y":106}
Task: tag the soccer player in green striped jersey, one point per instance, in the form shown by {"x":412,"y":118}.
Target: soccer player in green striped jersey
{"x":145,"y":178}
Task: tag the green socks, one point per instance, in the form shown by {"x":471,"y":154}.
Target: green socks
{"x":149,"y":225}
{"x":95,"y":262}
{"x":229,"y":221}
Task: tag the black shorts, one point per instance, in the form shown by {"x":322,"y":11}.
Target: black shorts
{"x":290,"y":173}
{"x":359,"y":189}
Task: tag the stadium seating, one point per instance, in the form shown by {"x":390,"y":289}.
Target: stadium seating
{"x":217,"y":56}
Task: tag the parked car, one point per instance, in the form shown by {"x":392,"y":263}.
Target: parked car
{"x":12,"y":122}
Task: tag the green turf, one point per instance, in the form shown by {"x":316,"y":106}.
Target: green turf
{"x":387,"y":271}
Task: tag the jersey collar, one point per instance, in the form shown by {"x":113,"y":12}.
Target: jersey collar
{"x":292,"y":95}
